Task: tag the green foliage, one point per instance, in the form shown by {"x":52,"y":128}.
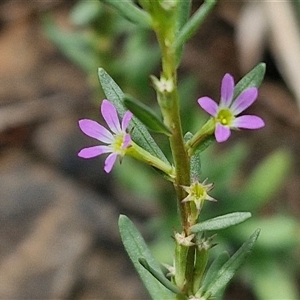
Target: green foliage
{"x":221,"y":222}
{"x":227,"y":271}
{"x":159,"y":276}
{"x":146,"y":115}
{"x":192,"y":25}
{"x":184,"y":10}
{"x":279,"y":233}
{"x":252,"y":79}
{"x":137,"y":248}
{"x":130,"y":11}
{"x":213,"y":269}
{"x":95,"y":35}
{"x":94,"y":45}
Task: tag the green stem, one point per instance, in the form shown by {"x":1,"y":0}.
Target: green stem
{"x":140,"y":154}
{"x":169,"y":104}
{"x":205,"y":132}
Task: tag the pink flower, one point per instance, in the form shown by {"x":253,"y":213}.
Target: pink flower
{"x":226,"y":114}
{"x":116,"y":141}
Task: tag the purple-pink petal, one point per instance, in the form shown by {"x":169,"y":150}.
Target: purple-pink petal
{"x":227,"y":89}
{"x":244,"y":100}
{"x":95,"y":130}
{"x":110,"y":116}
{"x":126,"y":119}
{"x":109,"y":162}
{"x":209,"y":105}
{"x":248,"y":122}
{"x":93,"y":151}
{"x":222,"y":133}
{"x":126,"y":141}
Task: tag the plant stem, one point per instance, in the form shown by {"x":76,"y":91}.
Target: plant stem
{"x":169,"y":104}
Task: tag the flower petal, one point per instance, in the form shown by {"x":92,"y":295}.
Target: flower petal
{"x":110,"y":116}
{"x":126,"y":119}
{"x":227,"y":89}
{"x":244,"y":100}
{"x":209,"y":105}
{"x":248,"y":122}
{"x":222,"y":133}
{"x":95,"y":130}
{"x":93,"y":151}
{"x":126,"y":141}
{"x":109,"y":162}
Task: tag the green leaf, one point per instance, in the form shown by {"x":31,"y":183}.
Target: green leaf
{"x":221,"y":222}
{"x":228,"y":270}
{"x":159,"y":276}
{"x":139,"y":133}
{"x":192,"y":25}
{"x":195,"y":159}
{"x":265,"y":180}
{"x":214,"y":269}
{"x":196,"y":165}
{"x":252,"y":79}
{"x":184,"y":9}
{"x":131,"y":12}
{"x":146,"y":115}
{"x":137,"y":248}
{"x":205,"y":143}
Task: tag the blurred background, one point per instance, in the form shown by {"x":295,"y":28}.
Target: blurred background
{"x":58,"y":213}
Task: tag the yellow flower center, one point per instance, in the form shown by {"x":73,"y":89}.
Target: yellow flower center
{"x":198,"y":191}
{"x":117,"y":145}
{"x":225,"y":117}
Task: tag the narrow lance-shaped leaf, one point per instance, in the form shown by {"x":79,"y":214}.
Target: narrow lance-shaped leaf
{"x":184,"y":9}
{"x":139,"y":133}
{"x":159,"y":276}
{"x":228,"y":270}
{"x":137,"y":248}
{"x":252,"y":79}
{"x":205,"y":143}
{"x":131,"y":12}
{"x":192,"y":25}
{"x":146,"y":115}
{"x":195,"y":159}
{"x":196,"y":165}
{"x":214,"y":269}
{"x":221,"y":222}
